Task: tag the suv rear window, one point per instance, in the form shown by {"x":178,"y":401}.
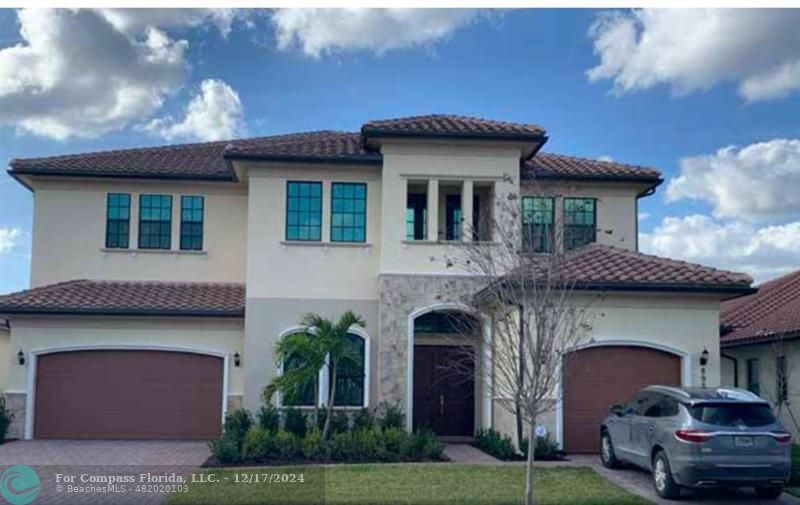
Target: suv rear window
{"x":733,"y":414}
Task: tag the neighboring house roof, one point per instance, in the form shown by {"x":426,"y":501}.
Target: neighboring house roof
{"x":771,"y":313}
{"x":448,"y":125}
{"x":210,"y":160}
{"x":606,"y":268}
{"x":129,"y":298}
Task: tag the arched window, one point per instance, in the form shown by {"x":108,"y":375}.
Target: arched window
{"x":350,"y":377}
{"x":304,"y":397}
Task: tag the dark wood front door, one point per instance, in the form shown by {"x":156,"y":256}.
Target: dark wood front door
{"x":444,"y":395}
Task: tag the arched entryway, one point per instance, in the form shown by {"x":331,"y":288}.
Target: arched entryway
{"x":597,"y":377}
{"x":444,"y":379}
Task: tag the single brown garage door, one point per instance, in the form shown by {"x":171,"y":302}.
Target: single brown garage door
{"x":128,"y":395}
{"x":599,"y":377}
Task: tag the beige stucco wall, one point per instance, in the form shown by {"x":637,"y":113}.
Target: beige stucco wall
{"x":409,"y":161}
{"x":766,"y":355}
{"x":69,"y":233}
{"x":277,"y":268}
{"x":5,"y":359}
{"x":684,"y":324}
{"x":616,"y":206}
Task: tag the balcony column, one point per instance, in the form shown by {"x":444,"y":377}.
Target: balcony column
{"x":433,"y":210}
{"x":466,"y":211}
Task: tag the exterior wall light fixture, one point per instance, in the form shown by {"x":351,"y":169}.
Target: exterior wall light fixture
{"x":21,"y":358}
{"x":237,"y":360}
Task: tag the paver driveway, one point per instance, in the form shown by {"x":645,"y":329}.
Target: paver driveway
{"x":639,"y":482}
{"x":97,"y":460}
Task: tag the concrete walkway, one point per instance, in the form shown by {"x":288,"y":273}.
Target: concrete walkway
{"x":468,"y":454}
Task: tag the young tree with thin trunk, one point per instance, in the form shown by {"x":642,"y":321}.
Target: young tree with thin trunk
{"x":535,"y":312}
{"x":323,"y":343}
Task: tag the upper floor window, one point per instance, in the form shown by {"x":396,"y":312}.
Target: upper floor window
{"x":303,"y":210}
{"x":580,"y":219}
{"x":155,"y":221}
{"x":348,"y":212}
{"x":416,"y":216}
{"x":192,"y":223}
{"x":753,"y":376}
{"x":537,"y":224}
{"x":118,"y":220}
{"x":453,"y":218}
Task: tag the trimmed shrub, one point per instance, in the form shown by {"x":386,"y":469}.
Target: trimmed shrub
{"x":393,"y":440}
{"x":363,"y":420}
{"x":258,"y":443}
{"x":428,"y":446}
{"x":236,"y":425}
{"x":269,"y":418}
{"x":367,"y":443}
{"x":5,"y":419}
{"x":296,"y":422}
{"x":287,"y":445}
{"x":340,"y":422}
{"x":313,"y":448}
{"x":546,"y":449}
{"x":226,"y":449}
{"x":492,"y":442}
{"x":392,"y":417}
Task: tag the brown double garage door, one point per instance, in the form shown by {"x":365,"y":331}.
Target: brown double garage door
{"x":128,"y":394}
{"x":599,"y":377}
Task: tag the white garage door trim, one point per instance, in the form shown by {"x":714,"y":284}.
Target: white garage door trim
{"x":686,"y":371}
{"x":30,"y":407}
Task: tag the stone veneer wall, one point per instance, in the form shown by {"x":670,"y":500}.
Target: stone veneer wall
{"x":15,"y":404}
{"x":400,"y":295}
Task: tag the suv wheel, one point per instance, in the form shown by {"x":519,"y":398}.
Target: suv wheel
{"x":664,"y":484}
{"x":769,"y":492}
{"x":607,"y":454}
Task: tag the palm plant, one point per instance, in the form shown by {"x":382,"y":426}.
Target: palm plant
{"x":324,"y":343}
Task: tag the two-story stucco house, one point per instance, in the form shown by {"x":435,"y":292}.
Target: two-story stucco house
{"x":162,"y":277}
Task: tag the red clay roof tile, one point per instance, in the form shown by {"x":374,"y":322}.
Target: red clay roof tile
{"x":123,"y":297}
{"x":773,"y":312}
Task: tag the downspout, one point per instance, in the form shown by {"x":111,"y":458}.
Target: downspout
{"x":735,"y":368}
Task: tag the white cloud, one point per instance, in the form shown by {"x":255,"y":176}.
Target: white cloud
{"x":643,"y":216}
{"x":692,"y":49}
{"x":319,"y":31}
{"x":605,"y":158}
{"x":754,"y":182}
{"x":133,"y":21}
{"x":761,"y":252}
{"x":9,"y":238}
{"x":76,"y":74}
{"x":215,"y":113}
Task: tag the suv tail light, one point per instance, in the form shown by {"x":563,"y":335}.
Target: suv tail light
{"x":693,"y":436}
{"x":783,"y":438}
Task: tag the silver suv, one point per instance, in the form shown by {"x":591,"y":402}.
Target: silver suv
{"x":697,"y":438}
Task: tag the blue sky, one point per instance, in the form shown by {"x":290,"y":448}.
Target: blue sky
{"x":276,"y":72}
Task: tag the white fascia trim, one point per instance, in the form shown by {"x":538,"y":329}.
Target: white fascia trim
{"x":30,"y":404}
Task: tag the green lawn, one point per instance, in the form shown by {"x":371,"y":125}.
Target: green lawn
{"x":418,"y":484}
